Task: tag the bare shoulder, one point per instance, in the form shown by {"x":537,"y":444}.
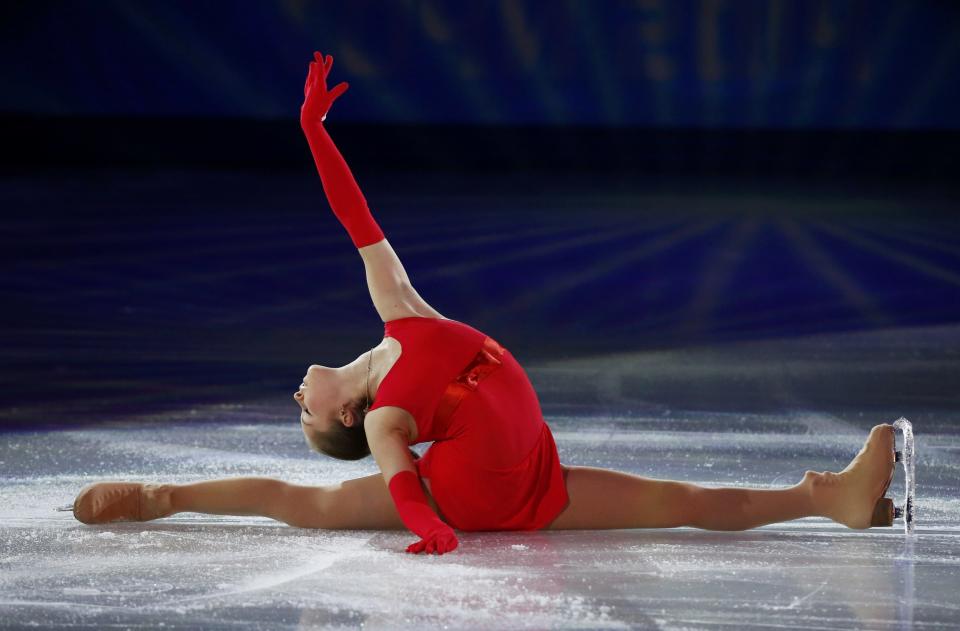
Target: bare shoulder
{"x":391,"y":418}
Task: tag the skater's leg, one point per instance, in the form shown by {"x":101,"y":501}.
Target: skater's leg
{"x":602,"y":498}
{"x":232,"y":496}
{"x":362,"y":504}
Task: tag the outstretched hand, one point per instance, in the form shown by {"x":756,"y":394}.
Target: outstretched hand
{"x":317,"y":99}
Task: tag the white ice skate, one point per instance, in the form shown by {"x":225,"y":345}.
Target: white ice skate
{"x":856,"y":497}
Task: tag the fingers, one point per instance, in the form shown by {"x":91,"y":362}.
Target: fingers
{"x":449,"y":544}
{"x":340,"y":89}
{"x":325,"y":62}
{"x":434,"y":545}
{"x":317,"y":67}
{"x":309,"y":82}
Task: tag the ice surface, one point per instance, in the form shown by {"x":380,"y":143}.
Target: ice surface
{"x":219,"y":572}
{"x":719,"y":332}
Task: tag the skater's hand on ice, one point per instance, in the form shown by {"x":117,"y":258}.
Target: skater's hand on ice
{"x":439,"y":541}
{"x":317,"y":99}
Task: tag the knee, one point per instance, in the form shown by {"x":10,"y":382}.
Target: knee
{"x":301,"y":506}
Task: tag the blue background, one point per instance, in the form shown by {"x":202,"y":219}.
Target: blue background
{"x":572,"y":178}
{"x":715,"y":64}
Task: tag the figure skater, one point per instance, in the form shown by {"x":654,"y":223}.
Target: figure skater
{"x":493,"y":464}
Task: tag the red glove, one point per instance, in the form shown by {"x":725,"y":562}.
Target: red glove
{"x":344,"y":195}
{"x":417,"y":515}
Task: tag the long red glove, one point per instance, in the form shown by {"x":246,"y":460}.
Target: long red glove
{"x":344,"y":195}
{"x":417,"y":515}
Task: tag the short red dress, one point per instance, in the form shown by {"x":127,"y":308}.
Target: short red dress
{"x":493,"y":464}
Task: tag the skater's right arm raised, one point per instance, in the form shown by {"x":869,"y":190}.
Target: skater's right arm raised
{"x":390,"y":288}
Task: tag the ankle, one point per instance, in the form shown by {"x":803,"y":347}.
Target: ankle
{"x":162,"y":499}
{"x":808,"y":491}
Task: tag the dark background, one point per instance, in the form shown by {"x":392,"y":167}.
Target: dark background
{"x":748,"y":87}
{"x":572,"y":178}
{"x":646,"y":63}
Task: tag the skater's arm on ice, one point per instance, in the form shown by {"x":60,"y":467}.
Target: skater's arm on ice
{"x":390,"y":289}
{"x":388,"y":437}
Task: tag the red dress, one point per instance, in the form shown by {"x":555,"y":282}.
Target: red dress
{"x":493,"y":464}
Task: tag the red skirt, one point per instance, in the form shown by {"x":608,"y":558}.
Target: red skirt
{"x":500,"y":470}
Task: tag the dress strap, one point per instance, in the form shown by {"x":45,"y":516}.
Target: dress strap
{"x":487,"y":360}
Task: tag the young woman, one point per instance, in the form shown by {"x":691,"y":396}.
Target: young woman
{"x":493,"y":464}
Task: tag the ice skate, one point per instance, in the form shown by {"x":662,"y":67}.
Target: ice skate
{"x":855,"y":496}
{"x":106,"y":502}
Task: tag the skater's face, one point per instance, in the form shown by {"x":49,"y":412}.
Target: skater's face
{"x":319,"y":397}
{"x":333,"y":404}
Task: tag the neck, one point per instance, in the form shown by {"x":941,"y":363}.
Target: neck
{"x":372,"y":359}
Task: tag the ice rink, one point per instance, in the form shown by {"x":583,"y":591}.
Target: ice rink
{"x":725,"y":337}
{"x":216,"y":572}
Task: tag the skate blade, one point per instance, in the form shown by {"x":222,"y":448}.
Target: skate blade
{"x":905,"y":457}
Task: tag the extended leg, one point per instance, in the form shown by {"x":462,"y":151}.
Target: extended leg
{"x":360,"y":504}
{"x":105,"y":502}
{"x":238,"y":496}
{"x":603,"y":498}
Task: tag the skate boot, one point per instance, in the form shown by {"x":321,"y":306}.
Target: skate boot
{"x":106,"y":502}
{"x":855,"y":496}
